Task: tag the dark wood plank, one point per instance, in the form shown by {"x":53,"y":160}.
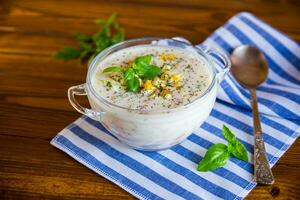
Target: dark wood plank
{"x":48,"y":173}
{"x":33,"y":102}
{"x":195,"y":21}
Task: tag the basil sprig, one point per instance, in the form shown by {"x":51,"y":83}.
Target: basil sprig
{"x":109,"y":34}
{"x":141,"y":68}
{"x":218,"y":154}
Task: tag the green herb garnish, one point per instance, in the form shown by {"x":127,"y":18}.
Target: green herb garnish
{"x":218,"y":154}
{"x":90,"y":45}
{"x":112,"y":69}
{"x":141,"y":68}
{"x":237,"y":149}
{"x":144,"y":69}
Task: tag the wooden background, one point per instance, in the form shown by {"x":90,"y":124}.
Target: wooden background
{"x":33,"y":102}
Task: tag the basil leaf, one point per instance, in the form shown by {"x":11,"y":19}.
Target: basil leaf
{"x":132,"y":81}
{"x":106,"y":25}
{"x":101,"y":41}
{"x":86,"y":49}
{"x":109,"y":21}
{"x":152,"y":72}
{"x":143,"y":60}
{"x":229,"y":136}
{"x":139,"y":69}
{"x":236,"y":148}
{"x":85,"y":46}
{"x":82,"y":37}
{"x":147,"y":71}
{"x":143,"y":67}
{"x":133,"y":85}
{"x":112,"y":69}
{"x":216,"y":156}
{"x":118,"y":37}
{"x":67,"y":53}
{"x":100,"y":21}
{"x":129,"y":74}
{"x":239,"y":151}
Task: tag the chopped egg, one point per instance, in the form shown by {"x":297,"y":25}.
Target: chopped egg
{"x":176,"y":80}
{"x":165,"y":93}
{"x":148,"y":88}
{"x":165,"y":76}
{"x":148,"y":85}
{"x":166,"y":57}
{"x":166,"y":67}
{"x":168,"y":96}
{"x":157,"y":82}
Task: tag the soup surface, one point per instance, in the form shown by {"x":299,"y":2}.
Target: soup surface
{"x":183,"y":76}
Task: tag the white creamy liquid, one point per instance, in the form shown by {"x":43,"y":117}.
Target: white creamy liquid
{"x":195,"y":73}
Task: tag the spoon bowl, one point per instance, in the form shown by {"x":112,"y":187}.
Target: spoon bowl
{"x":249,"y":66}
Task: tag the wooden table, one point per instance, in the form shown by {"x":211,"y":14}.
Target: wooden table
{"x":33,"y":102}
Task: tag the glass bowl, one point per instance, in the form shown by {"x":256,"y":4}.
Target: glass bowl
{"x":151,"y":130}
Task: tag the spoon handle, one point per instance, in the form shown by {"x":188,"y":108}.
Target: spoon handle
{"x":262,"y":171}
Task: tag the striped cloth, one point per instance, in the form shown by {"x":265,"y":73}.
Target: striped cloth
{"x":171,"y":174}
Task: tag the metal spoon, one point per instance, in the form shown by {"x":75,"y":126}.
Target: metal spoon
{"x":250,"y":69}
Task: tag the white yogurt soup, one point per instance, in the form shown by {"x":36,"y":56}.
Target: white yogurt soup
{"x":183,"y":77}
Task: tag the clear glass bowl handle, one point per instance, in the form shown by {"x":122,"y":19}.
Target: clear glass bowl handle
{"x":81,"y":90}
{"x":225,"y":62}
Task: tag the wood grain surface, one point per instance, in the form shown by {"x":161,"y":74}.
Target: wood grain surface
{"x":33,"y":102}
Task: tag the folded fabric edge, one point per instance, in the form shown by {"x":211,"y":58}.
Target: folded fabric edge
{"x":81,"y":160}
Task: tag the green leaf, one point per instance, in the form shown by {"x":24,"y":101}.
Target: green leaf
{"x":82,"y":37}
{"x":118,"y":37}
{"x":216,"y":156}
{"x":67,"y":53}
{"x":152,"y":72}
{"x":100,"y":21}
{"x":143,"y":67}
{"x":239,"y":151}
{"x":129,"y":74}
{"x":86,"y":48}
{"x":236,"y":148}
{"x":116,"y":25}
{"x":229,"y":136}
{"x":111,"y":19}
{"x":112,"y":69}
{"x":133,"y":85}
{"x":230,"y":147}
{"x":143,"y":60}
{"x":102,"y":42}
{"x":132,"y":81}
{"x":106,"y":25}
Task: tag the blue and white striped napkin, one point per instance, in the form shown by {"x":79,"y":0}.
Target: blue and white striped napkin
{"x":171,"y":174}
